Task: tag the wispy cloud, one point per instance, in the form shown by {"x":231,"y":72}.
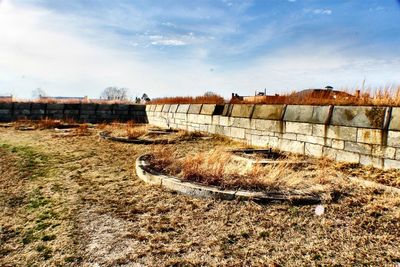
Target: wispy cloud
{"x":320,"y":11}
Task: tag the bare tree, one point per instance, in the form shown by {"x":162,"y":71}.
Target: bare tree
{"x":38,"y":92}
{"x":114,"y":93}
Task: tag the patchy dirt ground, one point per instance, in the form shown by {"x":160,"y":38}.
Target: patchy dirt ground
{"x":76,"y":201}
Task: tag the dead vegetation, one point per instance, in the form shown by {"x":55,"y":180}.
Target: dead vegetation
{"x":208,"y":98}
{"x":381,"y":96}
{"x":77,"y":202}
{"x":220,"y":168}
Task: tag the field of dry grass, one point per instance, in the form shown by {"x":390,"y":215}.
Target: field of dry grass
{"x":77,"y":201}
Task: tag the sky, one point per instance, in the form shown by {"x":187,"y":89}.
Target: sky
{"x":170,"y":48}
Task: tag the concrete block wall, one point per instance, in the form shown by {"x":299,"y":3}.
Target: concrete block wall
{"x":92,"y":113}
{"x":357,"y":134}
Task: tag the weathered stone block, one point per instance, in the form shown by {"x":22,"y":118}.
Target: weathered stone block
{"x":240,"y":122}
{"x":207,"y":109}
{"x":268,"y":112}
{"x":104,"y":107}
{"x":370,"y":136}
{"x":183,"y":108}
{"x":88,"y":112}
{"x":239,"y":133}
{"x":242,"y":110}
{"x":347,"y":156}
{"x":166,"y":108}
{"x":6,"y":105}
{"x":259,"y":140}
{"x":88,"y":107}
{"x":338,"y":144}
{"x":22,"y":106}
{"x":159,"y":108}
{"x":267,"y":125}
{"x":180,"y":116}
{"x":384,"y":151}
{"x":320,"y":114}
{"x":319,"y":130}
{"x":215,"y":119}
{"x":395,"y":120}
{"x":24,"y":112}
{"x":298,"y":127}
{"x":371,"y":161}
{"x":290,"y":136}
{"x":363,"y":117}
{"x":173,"y":108}
{"x":37,"y":112}
{"x":342,"y":133}
{"x":393,"y":139}
{"x":273,"y":142}
{"x":194,"y":109}
{"x":224,"y":121}
{"x":5,"y":112}
{"x":149,"y":107}
{"x":311,"y":139}
{"x":71,"y":112}
{"x":306,"y":113}
{"x":205,"y":119}
{"x":292,"y":146}
{"x":391,"y":164}
{"x":193,"y":118}
{"x":203,"y":127}
{"x":329,"y":153}
{"x":38,"y":106}
{"x":299,"y":113}
{"x":152,"y":108}
{"x":313,"y":150}
{"x":358,"y":147}
{"x":120,"y":107}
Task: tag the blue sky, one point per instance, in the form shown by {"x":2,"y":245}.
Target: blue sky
{"x":164,"y":48}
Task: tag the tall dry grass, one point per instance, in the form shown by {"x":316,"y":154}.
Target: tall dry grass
{"x":209,"y":98}
{"x":134,"y":131}
{"x":219,"y":168}
{"x":380,"y":96}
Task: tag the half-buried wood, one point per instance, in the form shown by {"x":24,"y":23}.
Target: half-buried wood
{"x":152,"y":175}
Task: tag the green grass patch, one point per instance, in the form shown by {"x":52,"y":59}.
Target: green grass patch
{"x":33,"y":163}
{"x":45,"y":251}
{"x":37,"y":200}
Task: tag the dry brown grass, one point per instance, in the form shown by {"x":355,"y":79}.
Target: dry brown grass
{"x":381,"y":96}
{"x":130,"y":130}
{"x":220,"y":168}
{"x":82,"y":130}
{"x":133,"y":131}
{"x":204,"y":99}
{"x":100,"y":213}
{"x":48,"y":123}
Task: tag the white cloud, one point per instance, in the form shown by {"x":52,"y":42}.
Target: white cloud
{"x":169,"y":42}
{"x":320,"y":11}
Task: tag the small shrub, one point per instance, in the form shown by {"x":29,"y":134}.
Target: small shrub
{"x":48,"y":123}
{"x":133,"y":131}
{"x":82,"y":130}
